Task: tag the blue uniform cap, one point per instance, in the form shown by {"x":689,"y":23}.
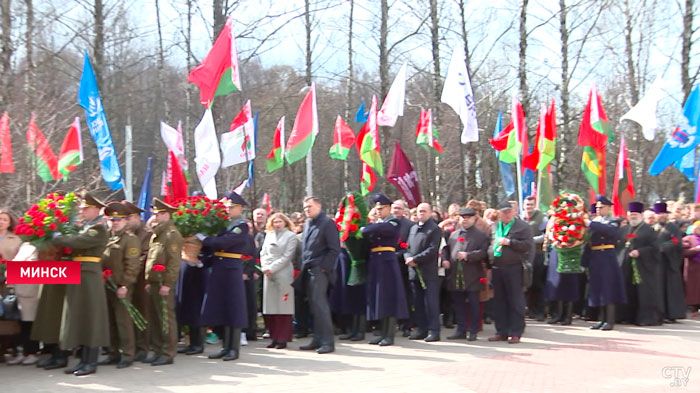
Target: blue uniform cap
{"x":232,"y":199}
{"x":603,"y":200}
{"x":381,"y":200}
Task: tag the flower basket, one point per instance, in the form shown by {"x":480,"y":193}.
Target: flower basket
{"x":351,"y":216}
{"x":569,"y":259}
{"x":191,"y":249}
{"x":53,"y":214}
{"x":567,"y":230}
{"x":199,"y":214}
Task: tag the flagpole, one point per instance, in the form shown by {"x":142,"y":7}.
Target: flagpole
{"x":309,"y":175}
{"x":129,"y":165}
{"x":520,"y":181}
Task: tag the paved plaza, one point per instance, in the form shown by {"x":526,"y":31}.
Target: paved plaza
{"x":550,"y":359}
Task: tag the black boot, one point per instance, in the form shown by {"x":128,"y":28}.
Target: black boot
{"x":361,"y":328}
{"x":58,"y":359}
{"x":83,"y":361}
{"x":90,"y":366}
{"x":609,"y":317}
{"x":380,"y":337}
{"x":389,"y":332}
{"x":196,"y":341}
{"x":234,"y":346}
{"x":226,"y":343}
{"x":601,"y":319}
{"x":557,"y":314}
{"x":353,"y":329}
{"x":568,"y":311}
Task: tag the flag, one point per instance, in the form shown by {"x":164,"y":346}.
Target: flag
{"x":532,"y":160}
{"x":367,"y":180}
{"x":361,"y":115}
{"x":164,"y":191}
{"x":697,"y":188}
{"x":266,"y":203}
{"x":178,"y":183}
{"x":426,"y":133}
{"x":592,"y":165}
{"x":686,"y":165}
{"x":529,"y":187}
{"x":237,"y":145}
{"x":683,"y":138}
{"x":504,"y":167}
{"x":343,"y":139}
{"x":207,"y":159}
{"x":512,"y":140}
{"x":89,"y":98}
{"x":369,"y":144}
{"x":218,"y":74}
{"x":392,"y":107}
{"x":275,"y":159}
{"x":251,"y":163}
{"x":544,"y":188}
{"x":46,"y":162}
{"x":595,"y":128}
{"x":623,"y":187}
{"x":145,"y":195}
{"x":305,"y":128}
{"x":71,"y":154}
{"x":404,"y":177}
{"x":457,"y":93}
{"x":644,"y":113}
{"x":241,"y":187}
{"x":173,"y":141}
{"x":7,"y":164}
{"x":547,"y":144}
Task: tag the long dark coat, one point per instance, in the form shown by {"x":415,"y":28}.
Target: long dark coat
{"x":671,"y":247}
{"x":476,"y":244}
{"x":605,"y":279}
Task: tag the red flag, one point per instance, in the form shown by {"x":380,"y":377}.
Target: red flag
{"x":46,"y":161}
{"x":343,"y":139}
{"x":178,"y":183}
{"x":532,"y":160}
{"x":403,"y":175}
{"x":500,"y":142}
{"x":266,"y":203}
{"x":367,"y":180}
{"x":7,"y":165}
{"x":623,"y":187}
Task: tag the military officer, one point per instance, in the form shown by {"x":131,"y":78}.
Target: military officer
{"x":162,"y":270}
{"x":121,"y":256}
{"x":386,"y":298}
{"x":85,"y":318}
{"x":225,"y":300}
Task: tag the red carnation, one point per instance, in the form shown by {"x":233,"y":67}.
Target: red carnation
{"x":106,"y":274}
{"x":40,"y":232}
{"x":179,"y":212}
{"x":67,"y":251}
{"x":188,"y":211}
{"x":63,"y":219}
{"x":53,"y":226}
{"x":205,"y":213}
{"x":403,"y":245}
{"x":483,"y":280}
{"x":195,"y":212}
{"x":353,"y":228}
{"x":356,"y":216}
{"x":158,"y":268}
{"x":630,"y":236}
{"x":461,"y":239}
{"x":30,"y":232}
{"x":674,"y":240}
{"x":58,"y":213}
{"x":565,"y":238}
{"x":51,"y":206}
{"x":38,"y":223}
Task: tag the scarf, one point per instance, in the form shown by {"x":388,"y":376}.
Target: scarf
{"x":501,"y":232}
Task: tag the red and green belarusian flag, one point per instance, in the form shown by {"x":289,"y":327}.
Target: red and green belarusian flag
{"x":46,"y":162}
{"x":369,"y":144}
{"x":7,"y":164}
{"x":275,"y":159}
{"x":71,"y":154}
{"x":426,"y":133}
{"x":343,"y":139}
{"x":623,"y":187}
{"x":218,"y":74}
{"x":367,"y":180}
{"x":595,"y":134}
{"x":512,"y":140}
{"x":547,"y":145}
{"x":305,"y":129}
{"x":546,"y":136}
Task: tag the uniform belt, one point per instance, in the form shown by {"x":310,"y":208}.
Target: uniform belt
{"x":380,"y":249}
{"x":228,"y":255}
{"x":87,"y":259}
{"x":602,"y":247}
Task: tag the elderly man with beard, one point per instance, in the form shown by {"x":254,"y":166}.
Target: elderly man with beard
{"x":642,"y":270}
{"x":671,"y":247}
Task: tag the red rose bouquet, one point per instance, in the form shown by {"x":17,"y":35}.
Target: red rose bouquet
{"x":134,"y":314}
{"x":566,"y":231}
{"x":53,"y":214}
{"x":160,"y":269}
{"x":198,"y":214}
{"x":351,"y":216}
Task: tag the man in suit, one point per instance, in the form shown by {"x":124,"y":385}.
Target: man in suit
{"x":320,"y":246}
{"x":422,"y":260}
{"x":512,"y":243}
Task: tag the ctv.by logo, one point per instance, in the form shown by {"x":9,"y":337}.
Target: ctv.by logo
{"x":678,"y":375}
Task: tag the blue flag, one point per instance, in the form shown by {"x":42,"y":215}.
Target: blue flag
{"x":89,"y":98}
{"x":145,"y":195}
{"x":528,"y":182}
{"x":686,"y":165}
{"x":361,"y":116}
{"x":683,"y":138}
{"x":251,"y":163}
{"x":506,"y":173}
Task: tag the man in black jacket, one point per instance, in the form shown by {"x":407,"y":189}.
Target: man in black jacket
{"x":422,"y":260}
{"x":399,"y":209}
{"x":320,"y":246}
{"x":512,"y":243}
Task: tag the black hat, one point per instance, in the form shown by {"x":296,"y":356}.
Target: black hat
{"x":603,"y":200}
{"x":505,"y":205}
{"x":381,"y":200}
{"x":87,"y":200}
{"x":635,"y":207}
{"x":116,"y":211}
{"x":232,"y":199}
{"x":593,"y":208}
{"x":159,"y":206}
{"x":660,"y":207}
{"x":467,"y":211}
{"x":131,"y":208}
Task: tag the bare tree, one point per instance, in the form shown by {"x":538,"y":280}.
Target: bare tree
{"x":687,"y":81}
{"x":522,"y":65}
{"x":6,"y":53}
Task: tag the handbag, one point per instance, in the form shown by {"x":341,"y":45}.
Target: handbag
{"x":11,"y":307}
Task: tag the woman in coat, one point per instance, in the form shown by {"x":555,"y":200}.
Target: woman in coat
{"x":28,"y":300}
{"x":276,"y":260}
{"x":691,"y":271}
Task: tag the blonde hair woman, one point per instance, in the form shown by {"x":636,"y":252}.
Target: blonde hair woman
{"x":276,"y":257}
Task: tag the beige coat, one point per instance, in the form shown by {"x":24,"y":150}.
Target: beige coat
{"x":27,"y":294}
{"x":8,"y":248}
{"x":277,"y":256}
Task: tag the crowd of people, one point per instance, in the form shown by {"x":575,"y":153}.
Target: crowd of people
{"x":425,"y":270}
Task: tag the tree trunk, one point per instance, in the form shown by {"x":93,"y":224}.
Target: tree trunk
{"x":563,"y":135}
{"x":189,"y":148}
{"x":161,"y":66}
{"x":384,"y":66}
{"x":522,"y":69}
{"x":631,"y":72}
{"x":468,"y":175}
{"x":219,"y":17}
{"x":6,"y":60}
{"x":348,"y":97}
{"x":686,"y":80}
{"x":435,"y":41}
{"x":99,"y":43}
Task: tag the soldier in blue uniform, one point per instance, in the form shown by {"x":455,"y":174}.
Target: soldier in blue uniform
{"x":386,"y":299}
{"x":606,"y":286}
{"x":225,"y":302}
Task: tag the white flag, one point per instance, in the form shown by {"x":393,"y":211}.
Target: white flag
{"x":644,"y":113}
{"x":239,"y":190}
{"x":238,"y":145}
{"x":207,"y":158}
{"x":173,"y":141}
{"x":457,"y":93}
{"x":392,"y":107}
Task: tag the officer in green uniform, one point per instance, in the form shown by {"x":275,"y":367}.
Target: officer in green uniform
{"x":85,"y":319}
{"x":164,"y":250}
{"x":121,"y":257}
{"x":140,"y":297}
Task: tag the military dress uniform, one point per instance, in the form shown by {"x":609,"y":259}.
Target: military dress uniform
{"x":164,"y":249}
{"x":122,"y":257}
{"x":386,"y":300}
{"x":225,"y":300}
{"x":85,"y":317}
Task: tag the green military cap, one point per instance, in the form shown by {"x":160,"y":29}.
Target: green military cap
{"x":132,"y":208}
{"x":116,"y":211}
{"x":159,"y":206}
{"x":87,"y":200}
